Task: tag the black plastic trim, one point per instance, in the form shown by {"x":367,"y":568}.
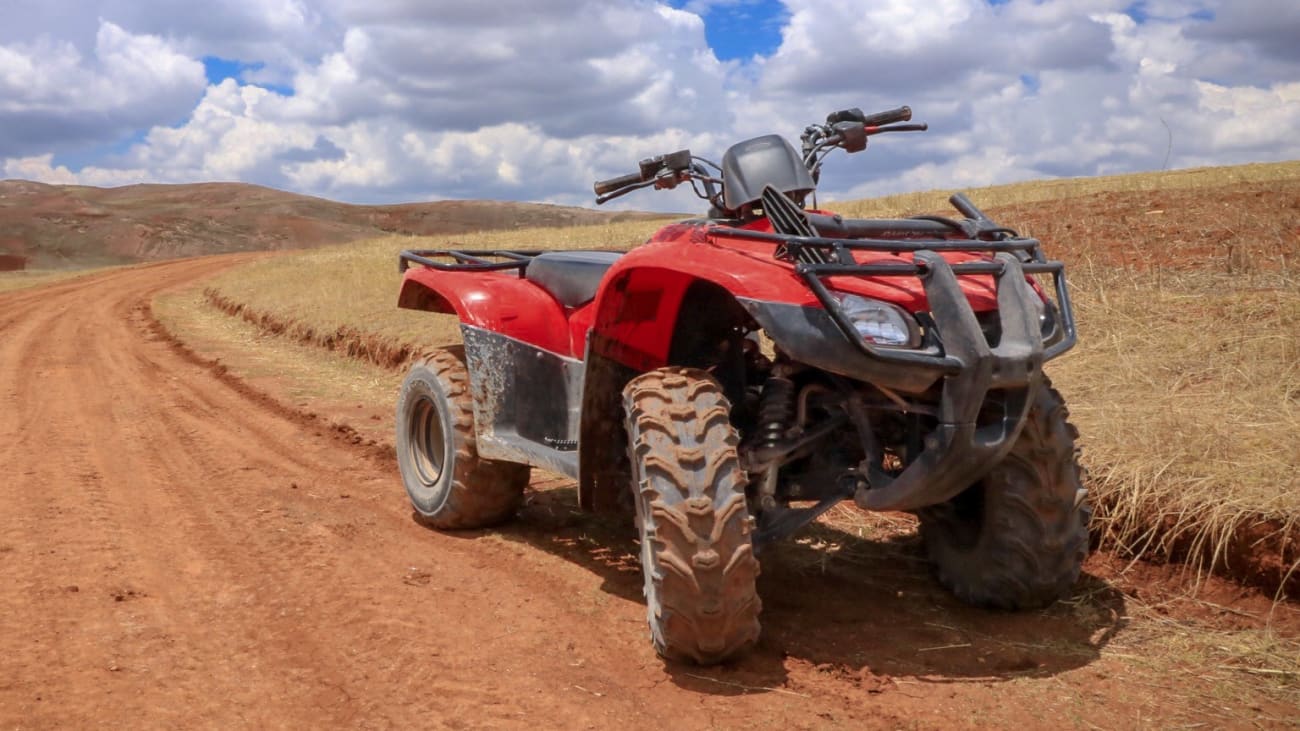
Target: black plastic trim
{"x":527,"y":401}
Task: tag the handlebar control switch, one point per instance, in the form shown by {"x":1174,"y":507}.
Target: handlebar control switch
{"x":675,"y":161}
{"x":853,"y":136}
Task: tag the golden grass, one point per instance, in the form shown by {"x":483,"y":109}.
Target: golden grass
{"x":1066,"y":188}
{"x":1185,"y":385}
{"x":307,"y":377}
{"x":1187,"y":397}
{"x":10,"y":281}
{"x":355,"y":286}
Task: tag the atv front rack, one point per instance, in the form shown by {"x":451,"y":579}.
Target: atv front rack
{"x":467,"y":260}
{"x":1015,"y":257}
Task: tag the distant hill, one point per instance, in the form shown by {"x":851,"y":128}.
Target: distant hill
{"x":55,"y":226}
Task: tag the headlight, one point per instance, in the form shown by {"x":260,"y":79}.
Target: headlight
{"x":1048,"y":321}
{"x":879,"y":323}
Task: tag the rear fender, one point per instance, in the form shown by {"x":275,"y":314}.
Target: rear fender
{"x":501,"y":303}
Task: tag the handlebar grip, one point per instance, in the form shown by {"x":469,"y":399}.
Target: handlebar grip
{"x":902,"y":114}
{"x":602,"y":187}
{"x":845,"y":115}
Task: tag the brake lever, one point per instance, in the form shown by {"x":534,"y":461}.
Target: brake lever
{"x":898,"y":128}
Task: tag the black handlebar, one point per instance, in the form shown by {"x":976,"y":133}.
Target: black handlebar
{"x":602,"y":187}
{"x":847,"y":129}
{"x":902,"y":114}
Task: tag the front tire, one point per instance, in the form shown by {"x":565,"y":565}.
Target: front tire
{"x":696,"y":547}
{"x":450,"y":486}
{"x":1017,"y":538}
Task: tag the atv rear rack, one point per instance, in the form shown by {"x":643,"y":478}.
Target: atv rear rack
{"x":467,"y":260}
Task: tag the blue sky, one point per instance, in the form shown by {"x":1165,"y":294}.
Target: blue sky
{"x":392,"y":100}
{"x":219,"y":69}
{"x":741,"y":30}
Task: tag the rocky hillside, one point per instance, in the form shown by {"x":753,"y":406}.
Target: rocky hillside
{"x":64,"y":225}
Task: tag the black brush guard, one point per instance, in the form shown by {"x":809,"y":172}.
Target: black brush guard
{"x":964,"y":446}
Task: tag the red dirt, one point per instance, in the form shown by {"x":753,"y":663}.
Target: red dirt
{"x":1233,"y":229}
{"x":178,"y":549}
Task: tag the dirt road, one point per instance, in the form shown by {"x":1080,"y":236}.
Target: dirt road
{"x":178,"y":551}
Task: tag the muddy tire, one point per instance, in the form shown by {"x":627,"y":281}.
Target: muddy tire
{"x":449,"y":485}
{"x":696,"y":548}
{"x":1018,"y":537}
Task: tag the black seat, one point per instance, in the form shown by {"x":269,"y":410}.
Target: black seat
{"x":572,"y":277}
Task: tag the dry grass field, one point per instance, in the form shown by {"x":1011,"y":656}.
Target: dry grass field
{"x":1185,"y":384}
{"x":10,"y":281}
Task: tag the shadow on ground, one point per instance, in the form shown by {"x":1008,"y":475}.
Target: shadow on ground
{"x":857,"y":609}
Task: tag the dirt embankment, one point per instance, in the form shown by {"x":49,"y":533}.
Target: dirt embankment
{"x":60,"y":226}
{"x":371,"y":348}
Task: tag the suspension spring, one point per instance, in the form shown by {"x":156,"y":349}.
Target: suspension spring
{"x":776,"y":412}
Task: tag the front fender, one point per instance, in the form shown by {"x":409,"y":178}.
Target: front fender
{"x":640,"y":309}
{"x":493,"y":301}
{"x":639,"y":306}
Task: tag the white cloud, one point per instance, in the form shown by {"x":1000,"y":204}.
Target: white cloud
{"x":50,"y":94}
{"x":1267,"y":27}
{"x":626,"y":67}
{"x":409,"y":99}
{"x":42,"y":169}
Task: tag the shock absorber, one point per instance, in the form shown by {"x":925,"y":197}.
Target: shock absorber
{"x":776,"y":411}
{"x":775,"y":414}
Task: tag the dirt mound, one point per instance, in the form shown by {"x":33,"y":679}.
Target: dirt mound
{"x":59,"y":226}
{"x":1238,"y":229}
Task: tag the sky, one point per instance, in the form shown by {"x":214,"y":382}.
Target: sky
{"x":381,"y":101}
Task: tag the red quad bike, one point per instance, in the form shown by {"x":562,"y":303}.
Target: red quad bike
{"x":901,"y":367}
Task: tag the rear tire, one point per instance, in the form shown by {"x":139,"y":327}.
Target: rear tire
{"x":450,"y":486}
{"x":1017,"y":538}
{"x":696,"y":549}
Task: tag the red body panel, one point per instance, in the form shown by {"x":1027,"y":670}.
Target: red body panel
{"x":502,"y":303}
{"x":638,"y":307}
